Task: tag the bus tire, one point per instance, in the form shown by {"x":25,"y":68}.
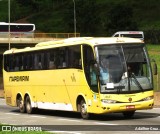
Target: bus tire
{"x":21,"y":105}
{"x":128,"y":114}
{"x":83,"y":109}
{"x":29,"y":108}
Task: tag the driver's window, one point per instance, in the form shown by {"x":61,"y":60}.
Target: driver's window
{"x":88,"y":62}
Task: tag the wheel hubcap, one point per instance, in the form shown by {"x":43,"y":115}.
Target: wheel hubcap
{"x":84,"y":109}
{"x":21,"y":104}
{"x":28,"y":107}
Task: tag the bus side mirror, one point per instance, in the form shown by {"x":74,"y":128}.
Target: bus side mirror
{"x":154,"y":67}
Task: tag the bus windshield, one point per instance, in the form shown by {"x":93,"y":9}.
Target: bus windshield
{"x":124,"y":68}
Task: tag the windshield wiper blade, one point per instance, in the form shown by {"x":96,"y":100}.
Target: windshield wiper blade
{"x":136,"y":81}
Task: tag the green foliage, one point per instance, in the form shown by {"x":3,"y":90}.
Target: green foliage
{"x":152,"y":36}
{"x":93,"y":17}
{"x":154,"y":53}
{"x":87,"y":18}
{"x":120,"y":18}
{"x":3,"y":11}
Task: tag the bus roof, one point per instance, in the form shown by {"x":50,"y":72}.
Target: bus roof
{"x":89,"y":40}
{"x":77,"y":40}
{"x":129,"y":32}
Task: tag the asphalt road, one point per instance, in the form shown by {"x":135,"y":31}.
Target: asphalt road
{"x":145,"y":121}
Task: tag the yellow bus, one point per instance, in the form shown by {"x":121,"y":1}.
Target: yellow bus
{"x":85,"y":74}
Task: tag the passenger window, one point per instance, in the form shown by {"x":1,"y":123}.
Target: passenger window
{"x":74,"y":57}
{"x":51,"y":59}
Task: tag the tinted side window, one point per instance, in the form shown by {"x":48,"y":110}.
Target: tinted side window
{"x":57,"y":58}
{"x":74,"y":57}
{"x":117,"y":35}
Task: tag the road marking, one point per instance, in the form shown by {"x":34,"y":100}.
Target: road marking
{"x":5,"y":118}
{"x":156,"y":108}
{"x":70,"y":120}
{"x":38,"y":116}
{"x":69,"y":132}
{"x":3,"y":123}
{"x":12,"y":113}
{"x":101,"y":123}
{"x":29,"y":116}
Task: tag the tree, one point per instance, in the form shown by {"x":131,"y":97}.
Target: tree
{"x":87,"y":18}
{"x":15,"y":11}
{"x":119,"y":18}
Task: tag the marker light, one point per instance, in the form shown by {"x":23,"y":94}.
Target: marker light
{"x":108,"y":101}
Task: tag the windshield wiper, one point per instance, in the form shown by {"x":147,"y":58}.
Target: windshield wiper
{"x":136,"y":81}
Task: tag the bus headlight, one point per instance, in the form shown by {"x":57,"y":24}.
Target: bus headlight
{"x":108,"y":101}
{"x":148,"y":98}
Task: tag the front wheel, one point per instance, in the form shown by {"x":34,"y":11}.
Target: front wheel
{"x":83,"y":110}
{"x":128,"y":114}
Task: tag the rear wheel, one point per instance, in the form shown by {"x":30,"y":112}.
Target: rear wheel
{"x":83,"y":110}
{"x":128,"y":114}
{"x":29,"y":108}
{"x":21,"y":105}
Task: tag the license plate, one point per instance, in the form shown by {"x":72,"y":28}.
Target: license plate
{"x":130,"y":107}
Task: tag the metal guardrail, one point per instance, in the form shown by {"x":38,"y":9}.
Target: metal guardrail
{"x":38,"y":35}
{"x":56,"y":35}
{"x":24,"y":41}
{"x":36,"y":38}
